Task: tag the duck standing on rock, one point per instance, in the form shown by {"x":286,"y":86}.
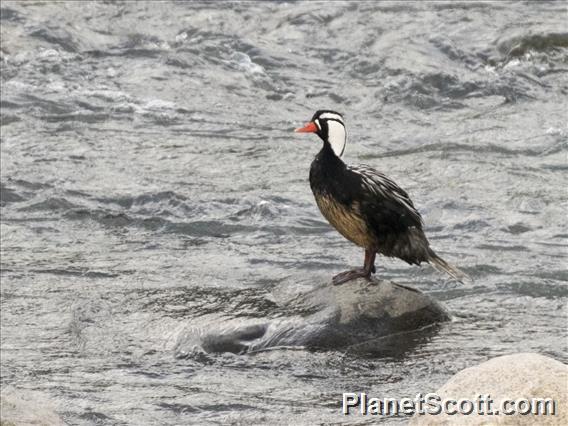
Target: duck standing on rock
{"x":365,"y":206}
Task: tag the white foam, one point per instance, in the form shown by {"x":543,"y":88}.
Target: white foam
{"x":243,"y":62}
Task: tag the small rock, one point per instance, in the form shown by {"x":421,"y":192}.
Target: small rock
{"x":26,"y":409}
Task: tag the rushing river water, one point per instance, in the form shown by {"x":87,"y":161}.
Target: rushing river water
{"x":151,"y":186}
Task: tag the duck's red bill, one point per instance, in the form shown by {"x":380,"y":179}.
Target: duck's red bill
{"x":308,"y":128}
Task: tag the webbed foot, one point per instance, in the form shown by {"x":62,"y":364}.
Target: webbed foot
{"x":343,"y":277}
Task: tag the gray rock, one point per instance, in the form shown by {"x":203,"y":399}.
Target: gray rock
{"x":513,"y":377}
{"x":26,"y":409}
{"x":361,"y":314}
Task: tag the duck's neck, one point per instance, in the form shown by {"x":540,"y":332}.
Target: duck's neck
{"x":328,"y":163}
{"x":329,"y":154}
{"x":327,"y":174}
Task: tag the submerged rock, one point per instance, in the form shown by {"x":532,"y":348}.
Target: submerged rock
{"x":360,"y":314}
{"x":513,"y":377}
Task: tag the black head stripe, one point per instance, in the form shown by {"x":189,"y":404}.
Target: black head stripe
{"x":333,"y":119}
{"x":321,"y":112}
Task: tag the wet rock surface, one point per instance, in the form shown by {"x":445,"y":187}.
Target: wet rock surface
{"x":354,"y":313}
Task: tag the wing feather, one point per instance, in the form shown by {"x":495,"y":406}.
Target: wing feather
{"x":390,"y":206}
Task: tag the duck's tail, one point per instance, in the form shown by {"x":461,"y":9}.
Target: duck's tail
{"x":443,"y":266}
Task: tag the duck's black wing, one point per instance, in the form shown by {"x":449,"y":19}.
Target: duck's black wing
{"x":391,"y":216}
{"x":385,"y":204}
{"x":397,"y":224}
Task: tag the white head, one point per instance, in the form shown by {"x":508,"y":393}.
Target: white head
{"x":330,"y":127}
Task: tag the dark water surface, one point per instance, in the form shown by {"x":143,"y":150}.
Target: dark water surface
{"x":152,"y":187}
